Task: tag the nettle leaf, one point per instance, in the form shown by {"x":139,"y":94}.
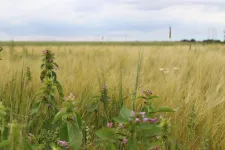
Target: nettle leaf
{"x":132,"y":143}
{"x":106,"y":133}
{"x":153,"y":97}
{"x":165,"y":109}
{"x":110,"y":147}
{"x":63,"y":132}
{"x":79,"y":120}
{"x":148,"y":129}
{"x":59,"y":88}
{"x":4,"y":143}
{"x":36,"y":107}
{"x":120,"y":120}
{"x":125,"y":113}
{"x":75,"y":136}
{"x":59,"y":116}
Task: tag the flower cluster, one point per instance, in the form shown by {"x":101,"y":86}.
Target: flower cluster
{"x":63,"y":144}
{"x":140,"y":117}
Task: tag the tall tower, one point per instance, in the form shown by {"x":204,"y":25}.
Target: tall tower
{"x":170,"y":32}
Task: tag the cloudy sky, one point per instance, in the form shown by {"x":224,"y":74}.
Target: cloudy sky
{"x":147,"y":20}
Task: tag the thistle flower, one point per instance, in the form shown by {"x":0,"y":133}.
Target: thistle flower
{"x":110,"y":124}
{"x":149,"y":92}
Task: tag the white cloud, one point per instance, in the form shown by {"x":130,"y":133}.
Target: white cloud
{"x":195,"y":16}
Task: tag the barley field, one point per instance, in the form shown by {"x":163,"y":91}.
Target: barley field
{"x":192,"y":81}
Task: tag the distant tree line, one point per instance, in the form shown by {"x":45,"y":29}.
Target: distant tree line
{"x":203,"y":41}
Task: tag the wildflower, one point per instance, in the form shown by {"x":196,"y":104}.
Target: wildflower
{"x":143,"y":92}
{"x":45,"y":51}
{"x":120,"y":125}
{"x":110,"y":124}
{"x":156,"y":148}
{"x":137,"y":120}
{"x":161,"y":69}
{"x":132,"y":113}
{"x":149,"y":92}
{"x":63,"y":143}
{"x":125,"y":141}
{"x":142,"y":114}
{"x":153,"y":120}
{"x":50,"y":60}
{"x":146,"y":119}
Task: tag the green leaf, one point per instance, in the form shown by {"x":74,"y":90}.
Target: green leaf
{"x":132,"y":143}
{"x":75,"y":136}
{"x":153,"y":97}
{"x":60,"y":89}
{"x":63,"y":133}
{"x":4,"y":143}
{"x":106,"y":133}
{"x":58,"y":116}
{"x":125,"y":112}
{"x":93,"y":106}
{"x":148,"y":130}
{"x":165,"y":109}
{"x":110,"y":147}
{"x":36,"y":108}
{"x":120,"y":120}
{"x":79,"y":120}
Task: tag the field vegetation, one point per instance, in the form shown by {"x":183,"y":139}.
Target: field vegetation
{"x":111,"y":86}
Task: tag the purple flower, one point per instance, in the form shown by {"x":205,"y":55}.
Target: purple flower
{"x":137,"y":120}
{"x":45,"y":51}
{"x":146,"y":119}
{"x":156,"y":148}
{"x":63,"y":143}
{"x":153,"y":120}
{"x":110,"y":124}
{"x":133,"y":113}
{"x":120,"y":125}
{"x":142,"y":114}
{"x":143,"y":92}
{"x":149,"y":92}
{"x":125,"y":141}
{"x":50,"y":60}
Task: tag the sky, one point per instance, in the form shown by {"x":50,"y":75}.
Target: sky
{"x":111,"y":20}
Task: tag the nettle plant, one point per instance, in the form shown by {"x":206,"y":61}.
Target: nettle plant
{"x":46,"y":96}
{"x":132,"y":130}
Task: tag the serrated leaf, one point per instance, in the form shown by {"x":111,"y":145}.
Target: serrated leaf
{"x":58,"y":116}
{"x":125,"y":113}
{"x":79,"y":120}
{"x":106,"y":133}
{"x":132,"y":143}
{"x":165,"y":109}
{"x":36,"y":107}
{"x":110,"y":147}
{"x":120,"y":120}
{"x":75,"y":136}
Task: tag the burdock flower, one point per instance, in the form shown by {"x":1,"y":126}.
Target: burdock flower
{"x":110,"y":124}
{"x":153,"y":120}
{"x":125,"y":141}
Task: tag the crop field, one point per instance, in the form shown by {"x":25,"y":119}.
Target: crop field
{"x":181,"y":87}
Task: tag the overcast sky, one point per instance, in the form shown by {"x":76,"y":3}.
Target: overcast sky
{"x":111,"y":19}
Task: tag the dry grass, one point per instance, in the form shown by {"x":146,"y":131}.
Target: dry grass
{"x":194,"y":78}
